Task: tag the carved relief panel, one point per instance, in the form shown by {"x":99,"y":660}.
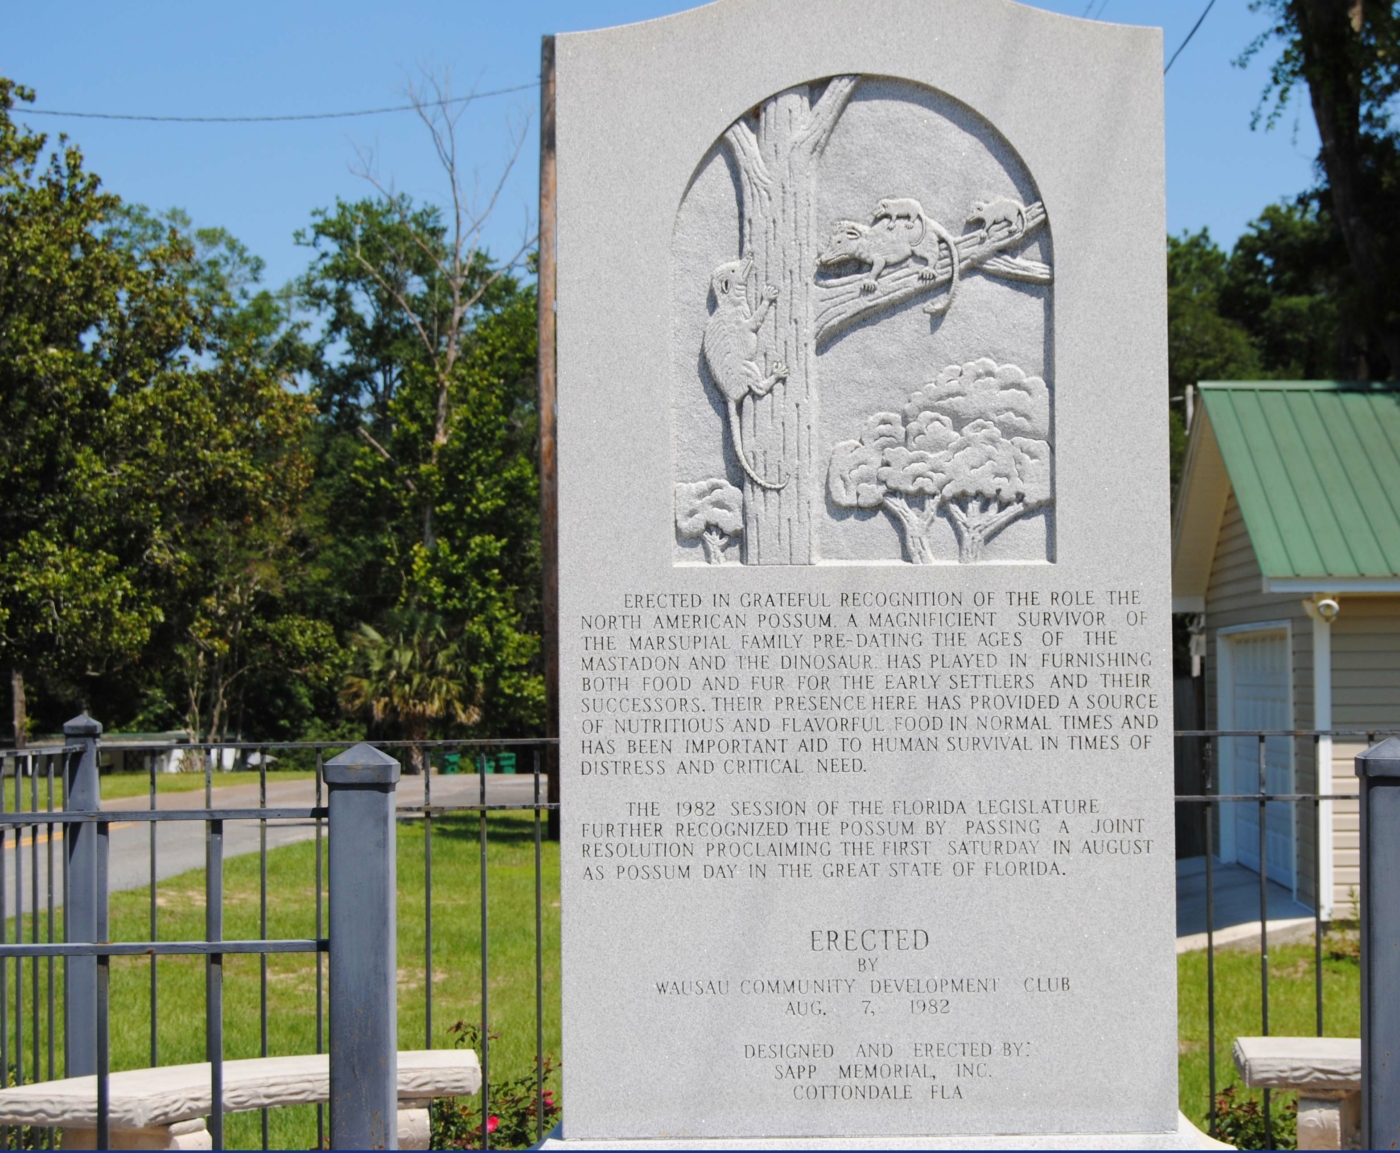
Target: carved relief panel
{"x":861,"y":337}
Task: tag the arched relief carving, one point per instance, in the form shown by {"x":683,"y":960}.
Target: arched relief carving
{"x":862,"y":294}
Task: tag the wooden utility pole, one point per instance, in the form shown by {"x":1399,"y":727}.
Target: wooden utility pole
{"x":549,"y":474}
{"x":17,"y":702}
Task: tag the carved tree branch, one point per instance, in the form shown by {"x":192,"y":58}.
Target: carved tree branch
{"x":826,"y":112}
{"x":743,"y":144}
{"x":994,"y":524}
{"x":754,"y":178}
{"x":841,"y":302}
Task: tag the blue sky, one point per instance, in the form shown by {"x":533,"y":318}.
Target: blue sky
{"x":262,"y":181}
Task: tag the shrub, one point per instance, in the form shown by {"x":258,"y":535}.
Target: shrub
{"x":514,"y":1104}
{"x":1240,"y":1122}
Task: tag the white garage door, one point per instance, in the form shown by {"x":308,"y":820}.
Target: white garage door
{"x":1256,"y":693}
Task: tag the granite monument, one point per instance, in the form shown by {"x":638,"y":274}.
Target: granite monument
{"x":865,"y":666}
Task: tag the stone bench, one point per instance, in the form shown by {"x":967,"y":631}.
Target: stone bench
{"x":165,"y":1107}
{"x":1325,"y":1072}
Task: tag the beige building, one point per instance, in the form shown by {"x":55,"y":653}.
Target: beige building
{"x":1286,"y":556}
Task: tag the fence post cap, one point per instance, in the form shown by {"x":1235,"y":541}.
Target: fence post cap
{"x":82,"y":726}
{"x":1382,"y":760}
{"x":362,"y":765}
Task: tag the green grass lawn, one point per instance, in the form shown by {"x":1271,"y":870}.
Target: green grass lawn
{"x":116,"y":785}
{"x":456,"y":974}
{"x":1292,"y":1010}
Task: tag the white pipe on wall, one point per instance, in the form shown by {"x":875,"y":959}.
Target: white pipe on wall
{"x":1323,"y":611}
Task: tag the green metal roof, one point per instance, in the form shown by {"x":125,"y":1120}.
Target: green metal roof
{"x":1315,"y":466}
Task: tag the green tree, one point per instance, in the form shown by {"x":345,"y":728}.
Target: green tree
{"x":409,"y":676}
{"x":1202,"y":344}
{"x":369,"y":476}
{"x":224,"y":278}
{"x":451,"y":528}
{"x":244,"y":622}
{"x":425,"y":380}
{"x":1347,"y":55}
{"x":1268,"y":309}
{"x":1285,"y":284}
{"x":85,"y":328}
{"x":484,"y":567}
{"x":153,"y":449}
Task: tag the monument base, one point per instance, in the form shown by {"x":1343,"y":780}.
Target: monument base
{"x":1187,"y":1136}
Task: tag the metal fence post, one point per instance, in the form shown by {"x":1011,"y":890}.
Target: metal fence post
{"x":81,"y":792}
{"x":1379,"y":770}
{"x":363,"y":947}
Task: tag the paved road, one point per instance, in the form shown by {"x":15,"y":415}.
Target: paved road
{"x":180,"y":844}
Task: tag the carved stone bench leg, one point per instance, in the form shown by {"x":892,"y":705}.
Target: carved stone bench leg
{"x":415,"y":1125}
{"x":1329,"y":1120}
{"x":183,"y":1135}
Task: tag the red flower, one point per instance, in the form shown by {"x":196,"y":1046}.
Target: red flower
{"x":492,"y":1124}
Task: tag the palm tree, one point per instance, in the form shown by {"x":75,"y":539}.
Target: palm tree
{"x":411,"y":674}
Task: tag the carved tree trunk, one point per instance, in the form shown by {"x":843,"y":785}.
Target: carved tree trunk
{"x":915,"y":525}
{"x":977,"y":520}
{"x":777,"y":157}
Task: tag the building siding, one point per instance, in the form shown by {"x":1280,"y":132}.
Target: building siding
{"x":1366,"y":663}
{"x":1365,"y":696}
{"x":1365,"y":688}
{"x":1235,"y":597}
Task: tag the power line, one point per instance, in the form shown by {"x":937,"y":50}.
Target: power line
{"x":1187,"y":41}
{"x":270,"y":119}
{"x":414,"y":107}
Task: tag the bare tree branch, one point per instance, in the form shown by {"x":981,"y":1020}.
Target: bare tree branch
{"x":395,"y":294}
{"x":441,"y":315}
{"x":384,"y":452}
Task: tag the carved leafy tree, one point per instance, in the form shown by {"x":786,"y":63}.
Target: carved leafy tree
{"x":898,"y":468}
{"x":776,"y":151}
{"x":974,"y":444}
{"x":999,"y":466}
{"x":712,"y":510}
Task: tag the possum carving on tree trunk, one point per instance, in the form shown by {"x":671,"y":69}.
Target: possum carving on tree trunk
{"x":899,"y":231}
{"x":730,"y":348}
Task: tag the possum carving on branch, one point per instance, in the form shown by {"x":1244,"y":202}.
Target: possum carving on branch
{"x":841,"y":300}
{"x":899,"y":231}
{"x":730,"y":348}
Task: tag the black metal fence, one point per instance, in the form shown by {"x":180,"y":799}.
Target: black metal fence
{"x":42,"y":801}
{"x":1199,"y":824}
{"x":52,"y":797}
